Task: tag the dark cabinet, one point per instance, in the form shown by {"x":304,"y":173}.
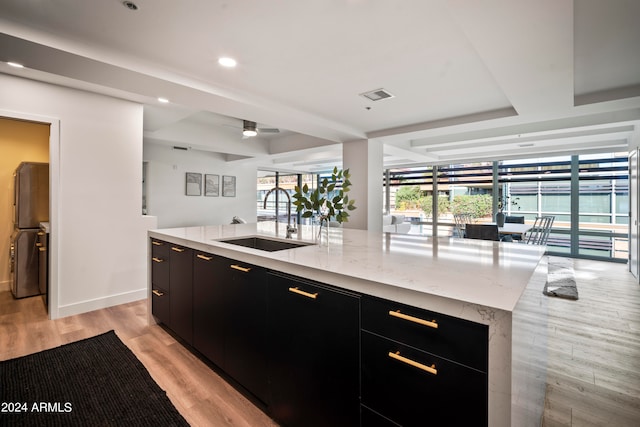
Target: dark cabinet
{"x":313,"y":353}
{"x":160,"y":297}
{"x":245,"y":342}
{"x":181,"y":291}
{"x":422,"y":368}
{"x":209,"y":307}
{"x":318,"y":355}
{"x":171,"y":283}
{"x":230,"y":318}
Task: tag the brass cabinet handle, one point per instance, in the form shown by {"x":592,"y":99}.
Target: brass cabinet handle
{"x":431,"y":324}
{"x":157,"y":292}
{"x":173,"y":248}
{"x":243,"y":269}
{"x":42,"y":249}
{"x":204,"y":257}
{"x":156,"y":259}
{"x":38,"y":244}
{"x":40,"y":233}
{"x":430,"y":369}
{"x":155,"y":242}
{"x":303,"y":293}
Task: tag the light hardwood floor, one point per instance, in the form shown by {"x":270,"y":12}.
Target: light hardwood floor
{"x":594,"y":353}
{"x":199,"y":394}
{"x":594,"y":350}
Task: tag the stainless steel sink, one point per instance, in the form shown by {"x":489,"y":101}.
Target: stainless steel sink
{"x":264,"y":244}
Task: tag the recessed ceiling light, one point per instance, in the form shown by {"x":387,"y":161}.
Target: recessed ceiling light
{"x":227,"y":62}
{"x":15,"y":65}
{"x":163,"y":100}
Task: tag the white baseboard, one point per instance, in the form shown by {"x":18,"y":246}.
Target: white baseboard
{"x":98,"y":303}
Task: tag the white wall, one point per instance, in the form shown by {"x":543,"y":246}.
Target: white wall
{"x":98,"y":235}
{"x":166,"y":197}
{"x":363,"y":158}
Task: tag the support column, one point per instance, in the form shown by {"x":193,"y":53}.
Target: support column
{"x":363,"y":158}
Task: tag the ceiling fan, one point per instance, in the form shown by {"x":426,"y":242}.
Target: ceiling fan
{"x":251,"y":129}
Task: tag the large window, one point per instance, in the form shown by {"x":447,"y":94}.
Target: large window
{"x":268,"y":180}
{"x":588,"y":195}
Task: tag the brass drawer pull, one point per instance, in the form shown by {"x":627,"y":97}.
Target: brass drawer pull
{"x":303,"y":293}
{"x":243,"y":269}
{"x":173,"y":248}
{"x":154,"y":242}
{"x":42,"y":249}
{"x":204,"y":257}
{"x":38,"y":244}
{"x":431,"y":324}
{"x":430,"y":369}
{"x":157,"y":293}
{"x":156,"y":259}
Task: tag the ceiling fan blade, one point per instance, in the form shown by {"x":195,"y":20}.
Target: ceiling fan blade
{"x":268,"y":130}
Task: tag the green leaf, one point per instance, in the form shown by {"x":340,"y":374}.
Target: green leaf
{"x":351,"y":207}
{"x":336,"y":199}
{"x":305,"y":188}
{"x":335,"y":169}
{"x":331,"y":187}
{"x":307,"y":214}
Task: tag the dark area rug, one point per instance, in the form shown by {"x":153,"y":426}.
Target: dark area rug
{"x":93,"y":382}
{"x":561,"y":280}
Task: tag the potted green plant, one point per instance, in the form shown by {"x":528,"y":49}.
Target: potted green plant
{"x":500,"y":216}
{"x":321,"y":203}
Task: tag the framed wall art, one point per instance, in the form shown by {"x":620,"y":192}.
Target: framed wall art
{"x":212,"y":185}
{"x":194,"y":184}
{"x":228,"y":186}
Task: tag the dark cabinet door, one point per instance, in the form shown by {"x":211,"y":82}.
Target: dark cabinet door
{"x":313,"y":353}
{"x":246,"y":318}
{"x":181,"y":286}
{"x":230,"y":306}
{"x":160,"y":297}
{"x":209,"y":306}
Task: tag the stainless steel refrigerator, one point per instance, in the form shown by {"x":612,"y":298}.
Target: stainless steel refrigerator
{"x":30,"y":208}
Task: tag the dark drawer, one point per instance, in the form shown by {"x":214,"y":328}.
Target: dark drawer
{"x":160,"y":248}
{"x":160,"y":253}
{"x":160,"y":305}
{"x":397,"y":386}
{"x":445,"y":336}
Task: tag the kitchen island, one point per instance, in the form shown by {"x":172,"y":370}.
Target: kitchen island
{"x":489,"y":287}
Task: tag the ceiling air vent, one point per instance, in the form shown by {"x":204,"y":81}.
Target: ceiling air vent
{"x":377,"y":95}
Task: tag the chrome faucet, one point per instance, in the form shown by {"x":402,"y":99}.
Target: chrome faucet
{"x":290,"y":229}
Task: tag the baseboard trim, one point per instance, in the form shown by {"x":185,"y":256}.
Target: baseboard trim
{"x":99,"y":303}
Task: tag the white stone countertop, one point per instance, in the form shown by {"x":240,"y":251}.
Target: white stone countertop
{"x":400,"y":267}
